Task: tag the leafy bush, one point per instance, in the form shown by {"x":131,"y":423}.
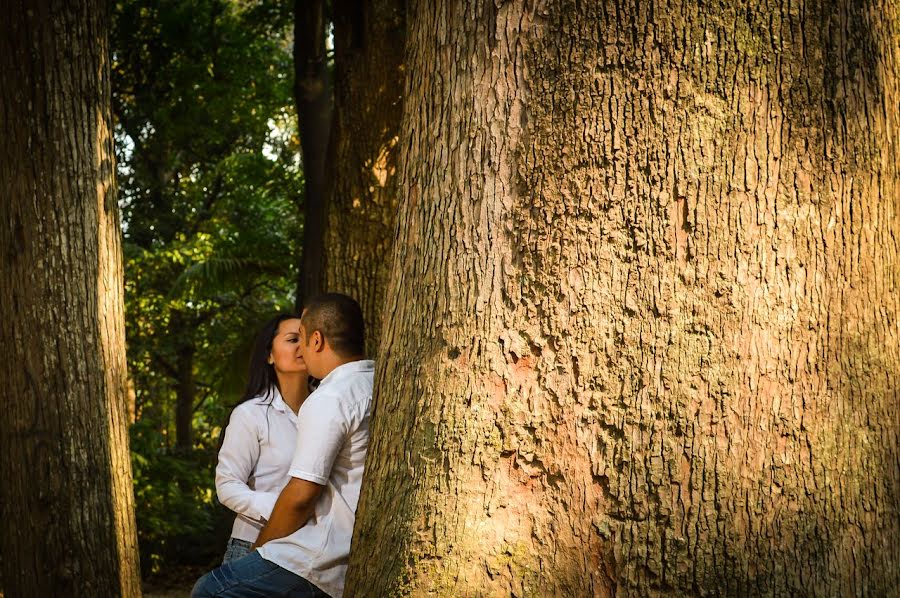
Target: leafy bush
{"x":179,"y":519}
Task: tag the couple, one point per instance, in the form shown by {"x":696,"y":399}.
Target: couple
{"x":303,"y":548}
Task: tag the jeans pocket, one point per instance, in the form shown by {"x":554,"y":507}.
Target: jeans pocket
{"x":236,"y":549}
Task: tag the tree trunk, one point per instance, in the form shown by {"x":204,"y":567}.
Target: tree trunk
{"x":313,"y":96}
{"x":643,"y":324}
{"x":182,"y":328}
{"x":362,"y":183}
{"x":67,"y":505}
{"x":185,"y":393}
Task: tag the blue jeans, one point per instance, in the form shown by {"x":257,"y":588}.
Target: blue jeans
{"x":236,"y":549}
{"x":253,"y":576}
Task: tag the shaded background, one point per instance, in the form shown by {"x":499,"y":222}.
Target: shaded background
{"x":211,"y":190}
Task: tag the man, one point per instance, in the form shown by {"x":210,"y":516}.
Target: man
{"x":304,"y":548}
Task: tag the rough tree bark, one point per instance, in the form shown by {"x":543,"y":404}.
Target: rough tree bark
{"x":67,"y":506}
{"x":362,"y":180}
{"x":642,"y":330}
{"x":313,"y":97}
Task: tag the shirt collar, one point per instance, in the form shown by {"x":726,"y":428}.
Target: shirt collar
{"x":341,"y":371}
{"x":274,"y":398}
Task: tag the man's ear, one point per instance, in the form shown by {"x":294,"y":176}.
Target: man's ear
{"x":318,"y":341}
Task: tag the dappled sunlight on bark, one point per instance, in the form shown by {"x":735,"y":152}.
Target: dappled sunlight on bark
{"x":642,"y":315}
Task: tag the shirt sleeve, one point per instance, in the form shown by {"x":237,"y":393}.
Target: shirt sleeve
{"x":237,"y":462}
{"x":320,"y":437}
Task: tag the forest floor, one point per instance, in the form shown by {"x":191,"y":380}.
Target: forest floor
{"x":175,"y":583}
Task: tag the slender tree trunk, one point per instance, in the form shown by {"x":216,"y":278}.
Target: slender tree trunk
{"x":182,"y":328}
{"x":67,"y":505}
{"x":362,"y":182}
{"x":313,"y":95}
{"x":642,"y":333}
{"x":185,"y":394}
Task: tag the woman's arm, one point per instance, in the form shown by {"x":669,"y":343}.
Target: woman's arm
{"x":237,"y":463}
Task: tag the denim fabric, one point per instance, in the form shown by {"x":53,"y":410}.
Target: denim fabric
{"x":236,"y":549}
{"x":253,"y":577}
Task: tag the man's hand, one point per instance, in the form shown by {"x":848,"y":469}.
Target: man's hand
{"x":294,"y":507}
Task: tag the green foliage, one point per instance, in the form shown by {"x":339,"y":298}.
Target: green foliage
{"x":209,"y":184}
{"x":174,"y":502}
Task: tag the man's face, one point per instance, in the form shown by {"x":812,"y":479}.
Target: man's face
{"x":309,"y":348}
{"x":304,"y":337}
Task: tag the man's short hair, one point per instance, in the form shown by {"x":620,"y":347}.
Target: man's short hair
{"x":339,"y":319}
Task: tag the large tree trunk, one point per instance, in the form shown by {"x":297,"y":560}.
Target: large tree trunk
{"x":643,"y":321}
{"x":67,"y":507}
{"x":313,"y":96}
{"x":368,"y":101}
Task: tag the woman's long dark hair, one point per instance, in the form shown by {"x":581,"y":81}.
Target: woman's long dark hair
{"x":262,"y":379}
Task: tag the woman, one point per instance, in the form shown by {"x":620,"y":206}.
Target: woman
{"x":258,"y":443}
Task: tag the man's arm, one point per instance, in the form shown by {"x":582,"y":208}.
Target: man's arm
{"x":294,"y":507}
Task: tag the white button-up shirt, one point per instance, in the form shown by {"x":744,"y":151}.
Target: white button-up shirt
{"x":254,"y":461}
{"x":332,"y":440}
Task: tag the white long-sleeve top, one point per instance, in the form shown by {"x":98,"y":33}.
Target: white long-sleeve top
{"x":254,"y":460}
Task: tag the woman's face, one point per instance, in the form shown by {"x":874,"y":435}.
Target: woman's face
{"x":285,"y":356}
